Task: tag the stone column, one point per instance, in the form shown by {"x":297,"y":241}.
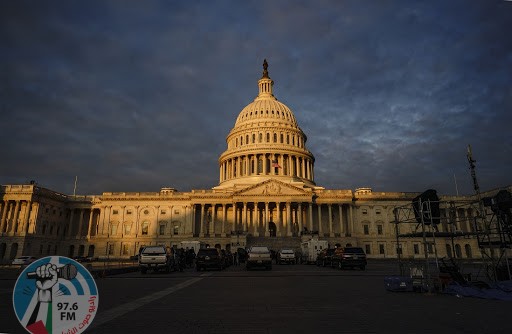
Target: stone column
{"x":70,"y":228}
{"x":266,"y":220}
{"x":265,"y":164}
{"x":279,"y":225}
{"x":299,"y":217}
{"x":201,"y":223}
{"x":14,"y":223}
{"x":342,"y":230}
{"x":246,"y":218}
{"x":310,"y":209}
{"x":223,"y":231}
{"x":320,"y":229}
{"x":80,"y":223}
{"x":5,"y":208}
{"x":28,"y":211}
{"x":212,"y":221}
{"x":89,"y":224}
{"x":331,"y":232}
{"x":288,"y":219}
{"x":351,"y":220}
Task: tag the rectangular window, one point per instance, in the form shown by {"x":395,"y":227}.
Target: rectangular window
{"x":416,"y":249}
{"x":381,"y":249}
{"x":127,"y":229}
{"x":162,"y":229}
{"x":128,"y":212}
{"x":176,"y":230}
{"x":176,"y":212}
{"x":115,"y":212}
{"x":377,"y":211}
{"x":125,"y":249}
{"x":367,"y":249}
{"x":379,"y":229}
{"x":162,"y":212}
{"x":366,"y":229}
{"x":364,"y":211}
{"x":110,"y":249}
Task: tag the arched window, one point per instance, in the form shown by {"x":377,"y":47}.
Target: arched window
{"x":287,"y":139}
{"x":282,"y":138}
{"x":467,"y":248}
{"x":253,"y":138}
{"x":275,"y":137}
{"x":449,"y":251}
{"x":268,"y":137}
{"x":260,"y":139}
{"x":236,"y":142}
{"x":247,"y":139}
{"x":458,"y":252}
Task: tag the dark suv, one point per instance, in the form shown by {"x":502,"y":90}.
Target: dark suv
{"x":324,"y":257}
{"x":209,"y":258}
{"x":349,"y":257}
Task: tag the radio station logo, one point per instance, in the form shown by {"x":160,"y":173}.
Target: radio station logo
{"x":54,"y":295}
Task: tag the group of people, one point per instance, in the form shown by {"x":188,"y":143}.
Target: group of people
{"x":181,"y":258}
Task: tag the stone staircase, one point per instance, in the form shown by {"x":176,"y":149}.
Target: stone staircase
{"x":275,"y":243}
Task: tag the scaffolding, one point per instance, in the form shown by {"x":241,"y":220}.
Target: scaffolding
{"x":491,"y":229}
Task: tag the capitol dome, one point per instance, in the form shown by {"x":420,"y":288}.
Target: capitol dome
{"x":266,"y":142}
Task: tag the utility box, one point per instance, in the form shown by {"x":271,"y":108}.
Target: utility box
{"x":311,"y":248}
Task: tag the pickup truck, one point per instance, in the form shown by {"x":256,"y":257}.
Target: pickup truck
{"x":259,"y":256}
{"x":286,"y":256}
{"x":154,"y":257}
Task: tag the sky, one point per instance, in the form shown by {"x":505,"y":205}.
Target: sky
{"x":133,"y":96}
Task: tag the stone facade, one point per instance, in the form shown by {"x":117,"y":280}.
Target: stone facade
{"x":266,"y":192}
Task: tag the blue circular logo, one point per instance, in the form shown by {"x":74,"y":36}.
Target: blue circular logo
{"x":55,"y":294}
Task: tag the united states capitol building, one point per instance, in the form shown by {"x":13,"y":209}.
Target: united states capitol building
{"x":266,"y":194}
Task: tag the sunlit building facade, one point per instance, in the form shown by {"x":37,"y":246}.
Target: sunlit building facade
{"x":266,"y":194}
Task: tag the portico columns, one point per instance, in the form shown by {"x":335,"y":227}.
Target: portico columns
{"x":288,"y":219}
{"x":201,"y":223}
{"x":213,"y":219}
{"x":331,"y":232}
{"x":310,"y":209}
{"x":342,"y":230}
{"x":266,"y":220}
{"x":223,"y":231}
{"x":5,"y":208}
{"x":80,"y":223}
{"x":14,"y":223}
{"x":320,"y":229}
{"x":299,"y":217}
{"x":246,"y":218}
{"x":70,"y":227}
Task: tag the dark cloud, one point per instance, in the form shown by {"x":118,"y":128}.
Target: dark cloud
{"x":135,"y":96}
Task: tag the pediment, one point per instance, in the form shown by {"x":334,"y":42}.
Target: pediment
{"x":272,"y":188}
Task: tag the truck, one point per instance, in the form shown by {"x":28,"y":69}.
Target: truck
{"x":155,"y":258}
{"x":193,"y":244}
{"x":311,"y":248}
{"x":259,"y":256}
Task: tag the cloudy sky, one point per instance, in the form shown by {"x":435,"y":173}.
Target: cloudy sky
{"x":139,"y":95}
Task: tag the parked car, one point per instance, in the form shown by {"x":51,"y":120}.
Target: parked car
{"x":286,"y":256}
{"x":259,"y":256}
{"x":209,"y":258}
{"x":83,"y":258}
{"x":350,"y":257}
{"x":24,"y":260}
{"x":156,"y":258}
{"x":324,"y":257}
